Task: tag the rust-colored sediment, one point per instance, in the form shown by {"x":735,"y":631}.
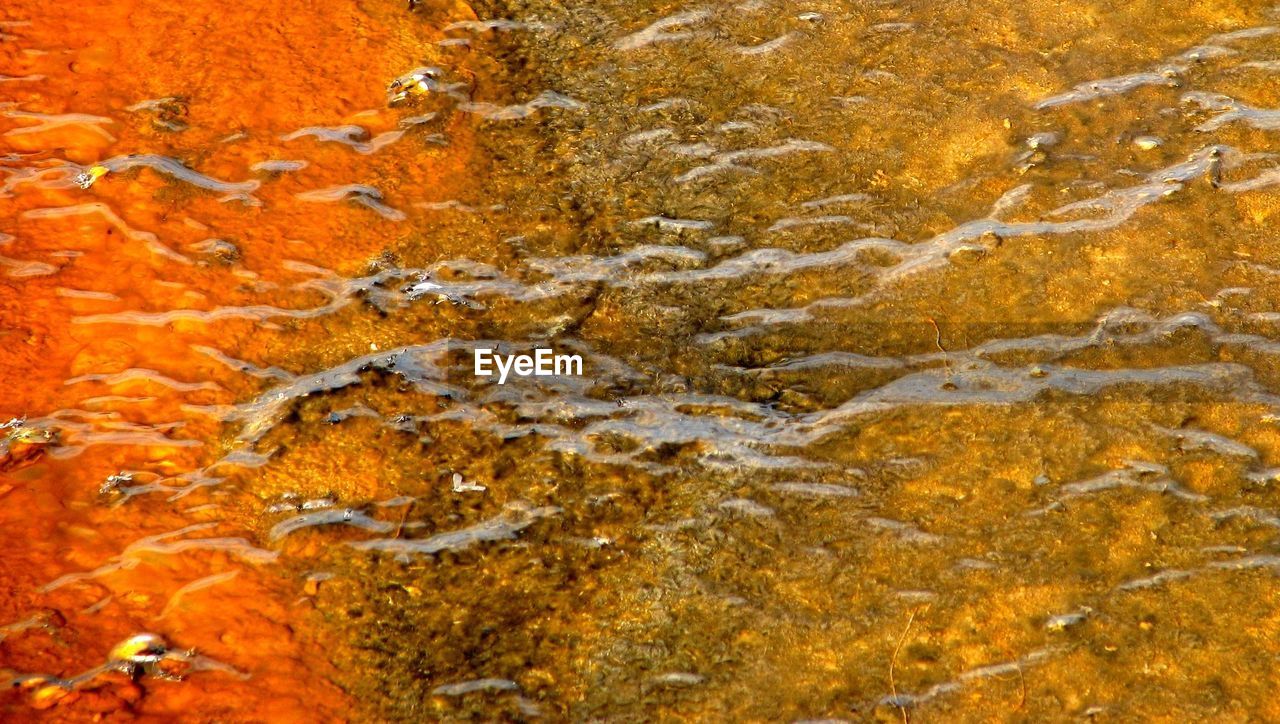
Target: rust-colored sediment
{"x":930,"y":356}
{"x":240,"y":76}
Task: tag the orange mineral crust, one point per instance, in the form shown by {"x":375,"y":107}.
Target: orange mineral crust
{"x":181,"y":182}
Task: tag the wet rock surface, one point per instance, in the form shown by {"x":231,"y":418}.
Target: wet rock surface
{"x":928,"y":362}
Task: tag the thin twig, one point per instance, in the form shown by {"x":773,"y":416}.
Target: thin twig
{"x":937,"y":341}
{"x":893,"y":660}
{"x":403,"y":517}
{"x":1022,"y":683}
{"x":1022,"y":679}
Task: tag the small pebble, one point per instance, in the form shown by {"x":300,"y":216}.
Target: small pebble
{"x":679,"y":678}
{"x":461,"y":486}
{"x":141,"y":648}
{"x":1042,"y":140}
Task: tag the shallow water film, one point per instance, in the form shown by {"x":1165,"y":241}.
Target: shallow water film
{"x":931,"y":360}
